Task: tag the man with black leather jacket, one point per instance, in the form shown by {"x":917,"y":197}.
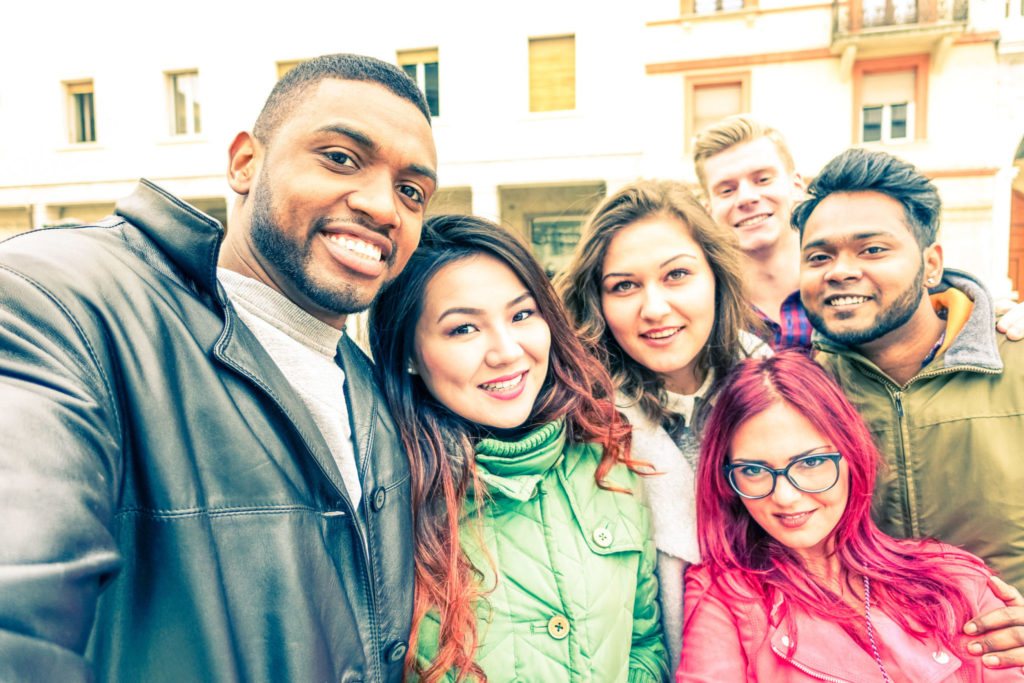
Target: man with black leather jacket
{"x":198,"y":477}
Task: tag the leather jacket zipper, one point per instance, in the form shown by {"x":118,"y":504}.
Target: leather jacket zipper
{"x":810,"y":672}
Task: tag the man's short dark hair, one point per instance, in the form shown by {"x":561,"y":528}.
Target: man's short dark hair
{"x":860,"y":170}
{"x":345,"y":67}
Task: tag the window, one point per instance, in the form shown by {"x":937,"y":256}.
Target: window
{"x":549,"y":217}
{"x":712,"y":6}
{"x":886,"y":123}
{"x":888,"y":12}
{"x":286,"y":66}
{"x":713,"y":103}
{"x":890,"y":99}
{"x":553,"y":73}
{"x":688,"y":7}
{"x":183,"y":87}
{"x":14,"y":220}
{"x":81,"y":112}
{"x":711,"y":98}
{"x":421,"y":66}
{"x":554,"y":238}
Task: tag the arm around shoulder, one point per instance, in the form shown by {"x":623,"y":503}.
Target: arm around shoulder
{"x":59,"y":476}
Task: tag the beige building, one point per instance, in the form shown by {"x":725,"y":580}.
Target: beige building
{"x":937,"y":82}
{"x":540,"y":109}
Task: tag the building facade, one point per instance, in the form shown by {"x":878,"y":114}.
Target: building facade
{"x":541,"y":109}
{"x":937,"y":82}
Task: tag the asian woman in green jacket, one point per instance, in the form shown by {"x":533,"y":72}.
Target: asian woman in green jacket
{"x":534,"y":557}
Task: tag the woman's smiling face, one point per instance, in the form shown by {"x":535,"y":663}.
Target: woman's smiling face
{"x":799,"y":520}
{"x":481,"y":346}
{"x":658,"y":298}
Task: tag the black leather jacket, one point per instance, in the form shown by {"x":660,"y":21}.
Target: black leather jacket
{"x":168,"y":507}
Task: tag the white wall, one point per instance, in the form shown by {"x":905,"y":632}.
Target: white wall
{"x":626,"y":123}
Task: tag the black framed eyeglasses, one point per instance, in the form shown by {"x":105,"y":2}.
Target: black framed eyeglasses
{"x":812,"y":473}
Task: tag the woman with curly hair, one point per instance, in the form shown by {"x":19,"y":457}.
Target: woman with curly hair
{"x":655,"y":290}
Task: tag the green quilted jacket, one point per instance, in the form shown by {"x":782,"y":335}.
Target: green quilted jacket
{"x":575,"y":596}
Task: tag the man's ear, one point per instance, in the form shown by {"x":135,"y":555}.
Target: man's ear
{"x":932,"y":257}
{"x":244,"y":157}
{"x":799,"y":188}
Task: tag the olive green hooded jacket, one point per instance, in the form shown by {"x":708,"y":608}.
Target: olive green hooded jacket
{"x":952,"y":437}
{"x":575,"y":596}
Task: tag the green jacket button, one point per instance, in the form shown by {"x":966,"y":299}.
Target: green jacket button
{"x":602,"y":537}
{"x":558,"y":627}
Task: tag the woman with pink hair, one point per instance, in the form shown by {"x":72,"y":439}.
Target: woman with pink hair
{"x":797,"y":583}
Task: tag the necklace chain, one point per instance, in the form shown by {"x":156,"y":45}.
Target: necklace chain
{"x":871,"y":631}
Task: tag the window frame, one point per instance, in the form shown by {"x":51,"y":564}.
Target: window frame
{"x":72,"y":90}
{"x":421,"y":57}
{"x":695,"y":83}
{"x":917,"y":119}
{"x":532,"y":221}
{"x":688,"y":8}
{"x":532,"y":107}
{"x":885,"y":125}
{"x":193,"y":100}
{"x":283,"y":66}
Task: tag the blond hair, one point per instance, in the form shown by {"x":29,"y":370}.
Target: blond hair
{"x":732,"y":131}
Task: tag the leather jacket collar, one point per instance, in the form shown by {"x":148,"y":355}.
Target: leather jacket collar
{"x":161,"y":216}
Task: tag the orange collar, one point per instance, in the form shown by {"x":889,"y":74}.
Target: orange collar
{"x":958,"y":307}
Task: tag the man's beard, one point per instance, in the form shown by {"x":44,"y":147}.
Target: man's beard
{"x":892,"y":318}
{"x":292,"y":258}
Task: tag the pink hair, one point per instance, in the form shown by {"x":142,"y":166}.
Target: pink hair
{"x":911,"y":580}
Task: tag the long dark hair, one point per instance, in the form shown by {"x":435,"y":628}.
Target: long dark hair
{"x":912,"y":581}
{"x":439,"y":443}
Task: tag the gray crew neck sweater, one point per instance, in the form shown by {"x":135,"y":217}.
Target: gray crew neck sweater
{"x":304,"y":349}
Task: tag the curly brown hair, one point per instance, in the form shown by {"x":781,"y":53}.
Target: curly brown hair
{"x":580,"y":285}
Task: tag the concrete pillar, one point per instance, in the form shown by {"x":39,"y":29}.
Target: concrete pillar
{"x":487,"y":202}
{"x":44,"y":214}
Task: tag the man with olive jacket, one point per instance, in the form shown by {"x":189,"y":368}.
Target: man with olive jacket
{"x":198,"y":478}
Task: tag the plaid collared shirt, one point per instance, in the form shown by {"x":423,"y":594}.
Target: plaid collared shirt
{"x":795,"y":330}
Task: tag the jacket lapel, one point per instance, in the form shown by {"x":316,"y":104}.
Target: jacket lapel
{"x":189,"y":238}
{"x":239,"y":349}
{"x":361,"y":398}
{"x":825,"y":649}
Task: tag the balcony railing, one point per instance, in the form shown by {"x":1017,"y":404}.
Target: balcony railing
{"x":858,"y":17}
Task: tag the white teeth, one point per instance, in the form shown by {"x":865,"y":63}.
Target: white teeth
{"x":847,"y":300}
{"x":358,"y":246}
{"x":750,"y":221}
{"x":662,"y":334}
{"x":503,"y":386}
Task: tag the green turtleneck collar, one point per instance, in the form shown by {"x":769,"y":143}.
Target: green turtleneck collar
{"x":515,"y":468}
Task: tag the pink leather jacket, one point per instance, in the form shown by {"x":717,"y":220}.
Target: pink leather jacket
{"x":726,"y":639}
